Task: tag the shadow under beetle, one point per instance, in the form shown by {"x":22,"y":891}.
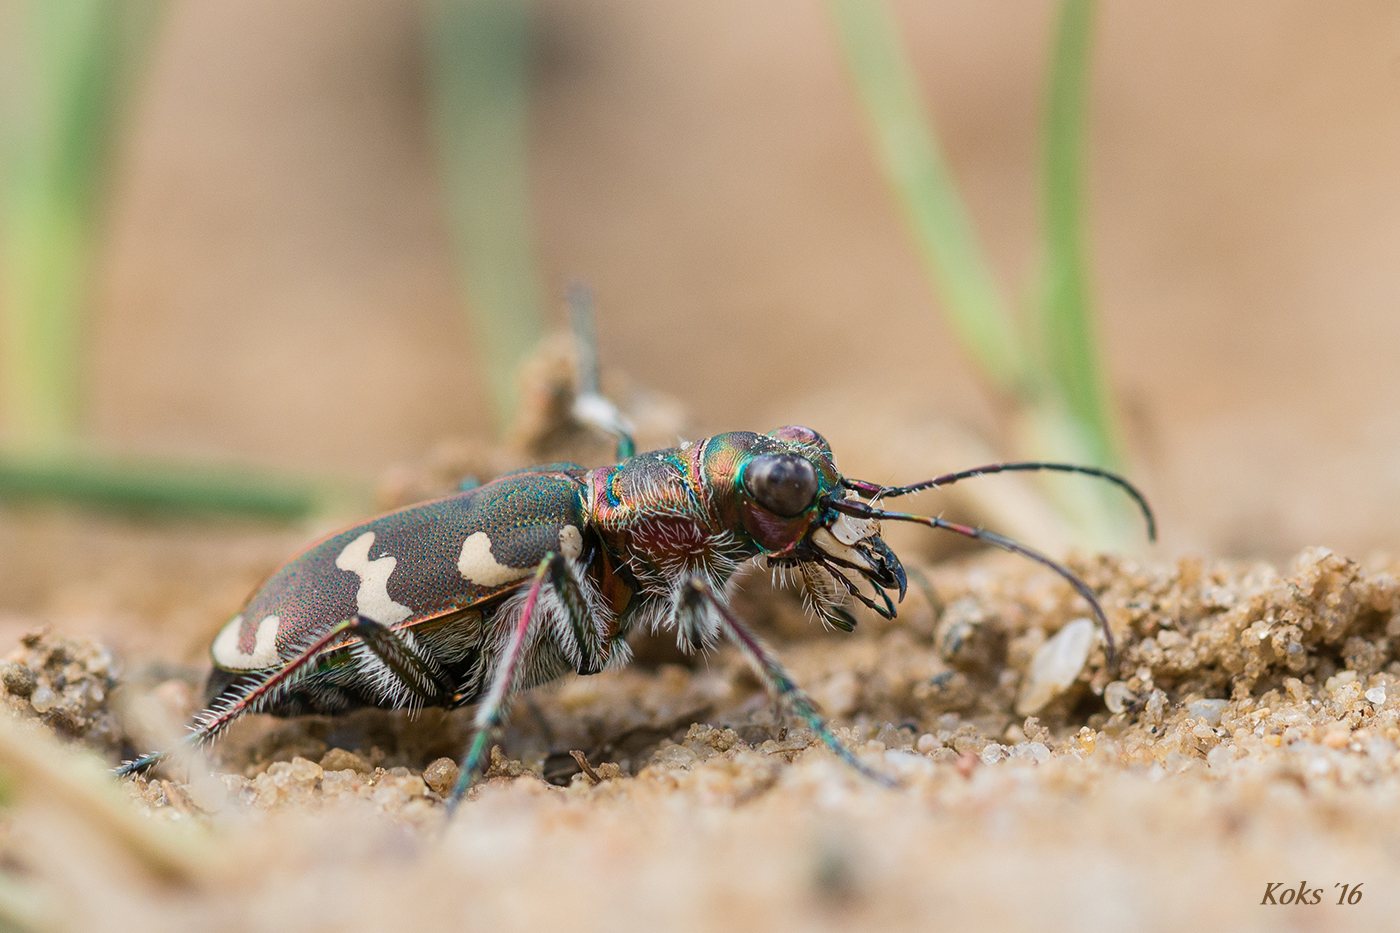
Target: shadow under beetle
{"x":545,"y":571}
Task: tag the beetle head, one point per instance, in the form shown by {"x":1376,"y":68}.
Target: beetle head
{"x":786,"y":483}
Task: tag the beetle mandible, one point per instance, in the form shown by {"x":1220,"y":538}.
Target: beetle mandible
{"x":470,"y":598}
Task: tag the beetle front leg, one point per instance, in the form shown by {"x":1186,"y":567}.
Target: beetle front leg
{"x":697,"y":597}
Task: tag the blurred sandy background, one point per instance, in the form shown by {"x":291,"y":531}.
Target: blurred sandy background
{"x":276,"y":284}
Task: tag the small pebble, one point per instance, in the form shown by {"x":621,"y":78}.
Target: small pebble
{"x":1207,"y":710}
{"x":1037,"y":752}
{"x":19,"y":680}
{"x":334,"y":783}
{"x":927,"y":743}
{"x":43,"y":700}
{"x":208,"y":792}
{"x":1220,"y":757}
{"x":1156,"y":706}
{"x":305,"y":772}
{"x":338,"y":759}
{"x":993,"y":753}
{"x":678,"y":756}
{"x":442,"y":776}
{"x":1376,"y":695}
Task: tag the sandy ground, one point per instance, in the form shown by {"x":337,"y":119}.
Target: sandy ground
{"x":1248,"y":738}
{"x":275,"y":284}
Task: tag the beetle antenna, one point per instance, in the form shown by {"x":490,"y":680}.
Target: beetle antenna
{"x":862,"y":510}
{"x":874,"y":490}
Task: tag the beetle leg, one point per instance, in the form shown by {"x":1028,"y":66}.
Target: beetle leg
{"x":215,"y":720}
{"x":592,"y":650}
{"x":399,"y":657}
{"x":775,"y":677}
{"x":403,"y":660}
{"x":695,"y":629}
{"x":492,"y":711}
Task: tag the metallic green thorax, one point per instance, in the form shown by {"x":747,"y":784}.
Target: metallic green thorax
{"x":686,"y":509}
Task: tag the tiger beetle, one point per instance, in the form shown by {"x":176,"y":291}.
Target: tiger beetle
{"x":468,"y":599}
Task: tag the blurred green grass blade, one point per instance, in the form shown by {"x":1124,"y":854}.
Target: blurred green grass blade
{"x":68,"y":66}
{"x":1066,"y":327}
{"x":44,"y":273}
{"x":479,"y":52}
{"x":924,"y":188}
{"x":151,"y":488}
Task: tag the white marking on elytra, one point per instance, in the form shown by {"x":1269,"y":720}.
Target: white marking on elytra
{"x":570,"y":542}
{"x":264,"y":654}
{"x":372,"y":598}
{"x":478,"y":565}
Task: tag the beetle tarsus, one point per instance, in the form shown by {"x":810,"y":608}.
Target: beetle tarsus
{"x":139,"y":765}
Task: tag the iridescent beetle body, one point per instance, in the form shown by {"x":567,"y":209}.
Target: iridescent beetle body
{"x":434,"y":572}
{"x":469,"y":598}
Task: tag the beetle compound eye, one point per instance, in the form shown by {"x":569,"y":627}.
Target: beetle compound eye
{"x":784,"y":484}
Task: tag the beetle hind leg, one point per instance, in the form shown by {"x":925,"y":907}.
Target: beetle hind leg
{"x":591,"y":407}
{"x":407,"y":674}
{"x":401,"y":660}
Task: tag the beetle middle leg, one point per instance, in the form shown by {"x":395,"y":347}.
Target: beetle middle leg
{"x":553,"y":575}
{"x":698,"y":597}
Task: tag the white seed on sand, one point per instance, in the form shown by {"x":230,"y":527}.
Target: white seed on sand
{"x":1056,"y":665}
